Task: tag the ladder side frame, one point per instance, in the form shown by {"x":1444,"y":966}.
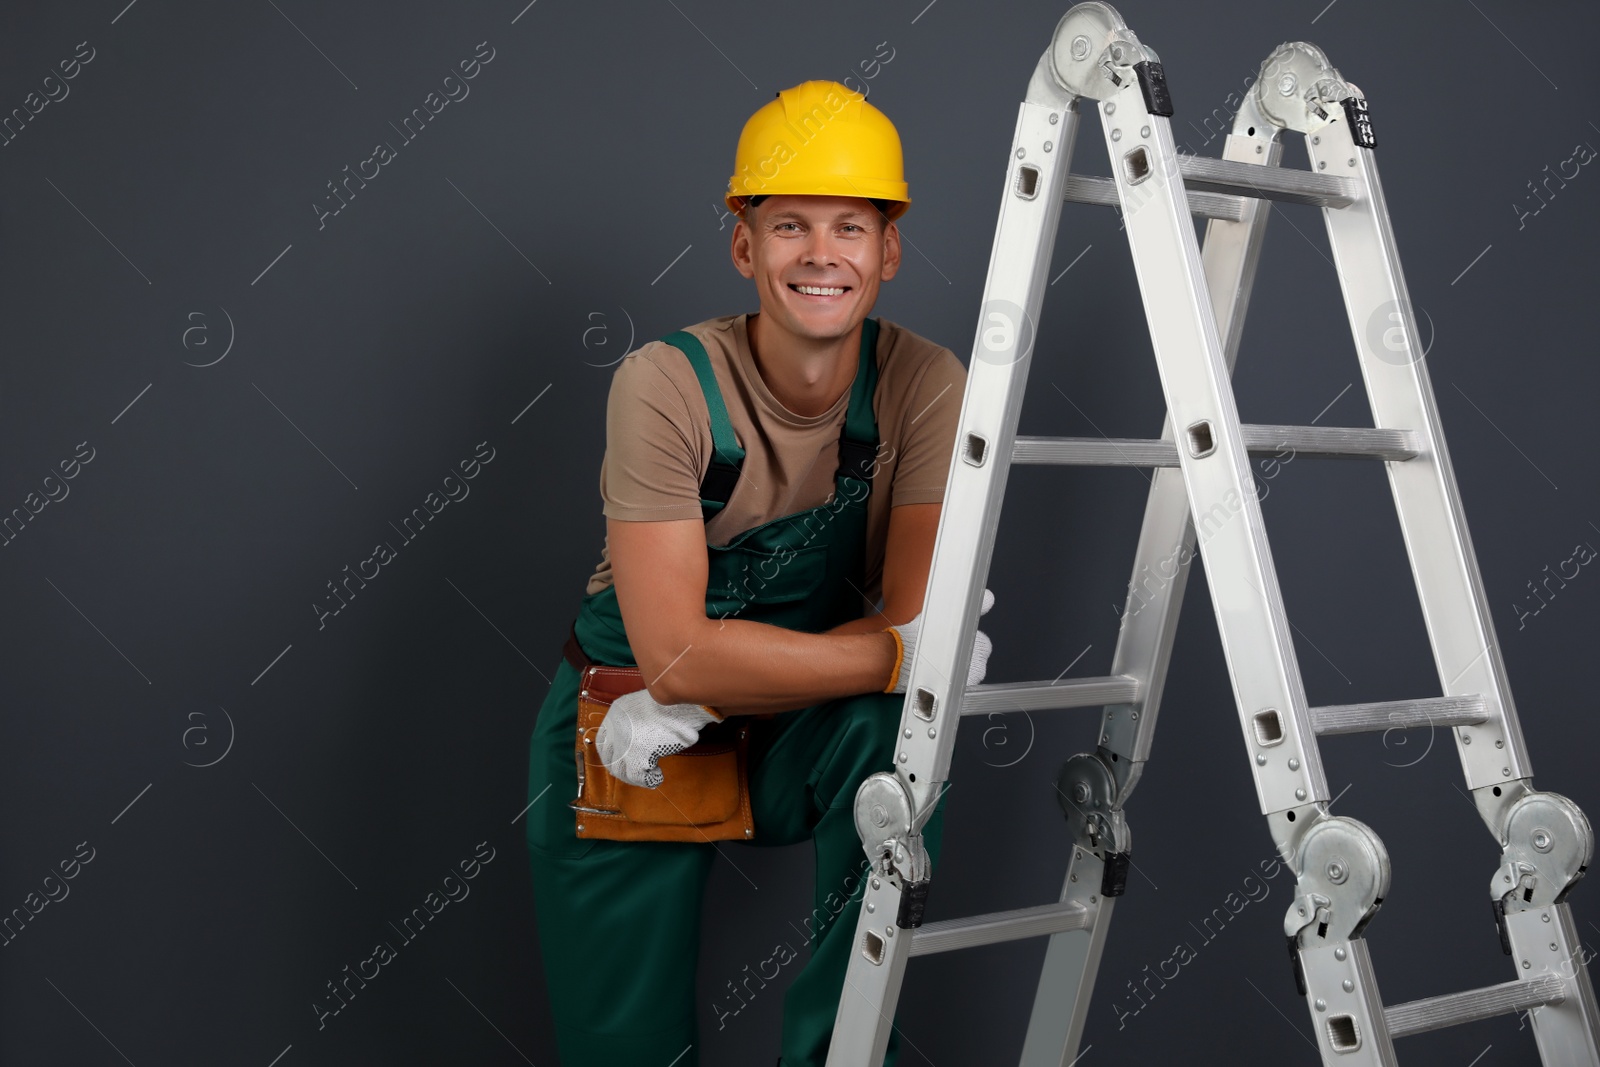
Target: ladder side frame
{"x":964,"y":543}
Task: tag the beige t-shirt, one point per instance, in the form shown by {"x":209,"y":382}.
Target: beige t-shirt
{"x":658,"y":438}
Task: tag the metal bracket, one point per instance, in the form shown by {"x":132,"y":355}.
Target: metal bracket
{"x":1094,"y":54}
{"x":885,"y":821}
{"x":1343,"y":875}
{"x":1087,"y":790}
{"x":1548,"y":844}
{"x":1300,"y":90}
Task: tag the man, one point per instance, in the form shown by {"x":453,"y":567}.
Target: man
{"x":835,"y":433}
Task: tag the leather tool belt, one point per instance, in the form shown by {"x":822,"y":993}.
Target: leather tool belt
{"x":705,"y":790}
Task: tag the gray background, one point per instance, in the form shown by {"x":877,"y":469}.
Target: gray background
{"x":161,"y":616}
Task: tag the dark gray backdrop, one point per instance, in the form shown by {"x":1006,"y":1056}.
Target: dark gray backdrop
{"x":251,"y":392}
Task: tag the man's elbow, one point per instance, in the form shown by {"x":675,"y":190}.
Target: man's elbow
{"x":669,"y":668}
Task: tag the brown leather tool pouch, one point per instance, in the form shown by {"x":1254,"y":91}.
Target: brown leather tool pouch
{"x":705,"y":789}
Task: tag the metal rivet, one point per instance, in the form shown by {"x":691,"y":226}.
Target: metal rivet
{"x":1322,"y":1005}
{"x":1261,"y":759}
{"x":1553,"y":947}
{"x":1322,"y":164}
{"x":1258,"y":150}
{"x":903,"y":757}
{"x":1072,"y":878}
{"x":1080,"y":792}
{"x":1316,"y":140}
{"x":908,"y":732}
{"x":1294,"y":764}
{"x":1144,"y":131}
{"x":1526,"y":965}
{"x":1116,"y":135}
{"x":1352,"y":161}
{"x":1349,"y":986}
{"x":1299,"y":794}
{"x":1466,"y":739}
{"x":875,"y":883}
{"x":1338,"y":954}
{"x":932,"y":732}
{"x":871,"y":907}
{"x":580,"y":828}
{"x":1505,"y":772}
{"x":1499,"y":743}
{"x":1104,"y":738}
{"x":1048,"y":146}
{"x":1080,"y":48}
{"x":1337,"y":872}
{"x":749,"y":833}
{"x":1021,"y":152}
{"x":1111,"y":107}
{"x":1134,"y":715}
{"x":888,"y":931}
{"x":1542,"y":840}
{"x":1545,"y":916}
{"x":1053,"y":119}
{"x":1092,"y":899}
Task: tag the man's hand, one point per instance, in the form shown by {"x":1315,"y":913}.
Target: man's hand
{"x":637,"y":732}
{"x":909,"y":633}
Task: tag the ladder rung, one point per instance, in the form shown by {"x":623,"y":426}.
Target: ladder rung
{"x":1455,"y":1009}
{"x":973,"y":930}
{"x":1350,"y":442}
{"x":1043,"y":696}
{"x":1084,"y":189}
{"x":1287,"y":184}
{"x":1447,"y":712}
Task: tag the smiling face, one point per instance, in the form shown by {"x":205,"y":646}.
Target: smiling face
{"x":817,"y":261}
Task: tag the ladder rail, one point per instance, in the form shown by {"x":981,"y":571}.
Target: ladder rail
{"x":1019,"y":261}
{"x":1394,"y":370}
{"x":1461,"y":634}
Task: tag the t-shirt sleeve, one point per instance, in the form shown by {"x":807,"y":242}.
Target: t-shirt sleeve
{"x":930,"y":434}
{"x":651,"y":471}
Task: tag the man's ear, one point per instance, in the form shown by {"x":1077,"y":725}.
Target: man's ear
{"x":891,"y":251}
{"x":741,"y":250}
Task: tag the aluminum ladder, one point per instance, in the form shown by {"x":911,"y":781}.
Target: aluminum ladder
{"x":1201,"y":479}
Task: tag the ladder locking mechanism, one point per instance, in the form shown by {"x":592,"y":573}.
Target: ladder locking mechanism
{"x":883,"y":812}
{"x":1086,"y":791}
{"x":1343,"y":875}
{"x":1094,"y":53}
{"x":1305,"y":90}
{"x":1548,"y":846}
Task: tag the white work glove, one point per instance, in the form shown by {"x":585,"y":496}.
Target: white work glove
{"x":908,"y":634}
{"x":637,"y":732}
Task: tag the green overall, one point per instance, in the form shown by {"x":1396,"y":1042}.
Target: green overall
{"x":619,"y":921}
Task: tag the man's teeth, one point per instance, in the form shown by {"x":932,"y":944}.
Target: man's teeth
{"x":817,"y":290}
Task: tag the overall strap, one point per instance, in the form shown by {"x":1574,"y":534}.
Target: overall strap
{"x":858,"y":438}
{"x":727,"y":455}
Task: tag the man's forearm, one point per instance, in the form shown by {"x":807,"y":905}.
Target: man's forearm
{"x":741,"y":667}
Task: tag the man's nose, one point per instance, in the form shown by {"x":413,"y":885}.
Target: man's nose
{"x":820,"y":249}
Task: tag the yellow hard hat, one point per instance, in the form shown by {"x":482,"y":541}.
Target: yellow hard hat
{"x":822,"y":139}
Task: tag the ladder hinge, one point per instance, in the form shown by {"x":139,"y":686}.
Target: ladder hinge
{"x":1114,"y":879}
{"x":1153,"y":83}
{"x":913,"y":902}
